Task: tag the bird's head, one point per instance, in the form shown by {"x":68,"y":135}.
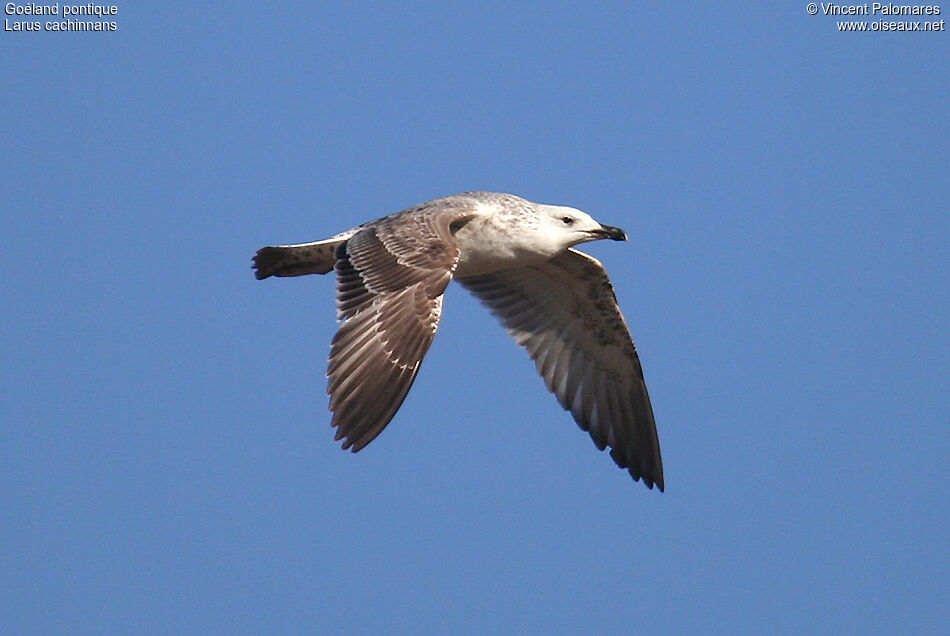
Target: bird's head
{"x":569,"y":226}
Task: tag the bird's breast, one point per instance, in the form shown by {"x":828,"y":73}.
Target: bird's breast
{"x":486,"y":251}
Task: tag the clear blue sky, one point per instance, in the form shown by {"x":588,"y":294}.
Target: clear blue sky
{"x":166,"y":463}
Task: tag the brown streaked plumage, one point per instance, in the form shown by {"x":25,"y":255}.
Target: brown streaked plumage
{"x":516,"y":257}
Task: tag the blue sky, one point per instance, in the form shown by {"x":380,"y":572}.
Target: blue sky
{"x":166,"y":464}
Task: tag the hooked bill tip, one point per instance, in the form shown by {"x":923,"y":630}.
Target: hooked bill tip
{"x":614,"y":233}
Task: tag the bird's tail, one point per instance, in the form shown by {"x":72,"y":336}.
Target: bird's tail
{"x":296,"y":260}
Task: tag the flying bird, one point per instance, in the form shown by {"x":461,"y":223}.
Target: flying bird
{"x":516,"y":257}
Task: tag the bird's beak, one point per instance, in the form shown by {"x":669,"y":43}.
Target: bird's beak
{"x":609,"y":232}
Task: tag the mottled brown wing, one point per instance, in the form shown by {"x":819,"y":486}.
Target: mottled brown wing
{"x":390,"y":279}
{"x":565,"y":314}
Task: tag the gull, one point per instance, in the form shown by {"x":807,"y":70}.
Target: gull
{"x":516,"y":257}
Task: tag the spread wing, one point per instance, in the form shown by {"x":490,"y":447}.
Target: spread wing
{"x":565,"y":314}
{"x":391,"y":275}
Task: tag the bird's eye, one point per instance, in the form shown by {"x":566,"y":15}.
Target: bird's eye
{"x":567,"y":220}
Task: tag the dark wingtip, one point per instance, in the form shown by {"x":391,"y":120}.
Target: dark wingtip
{"x":649,"y":483}
{"x":647,"y":470}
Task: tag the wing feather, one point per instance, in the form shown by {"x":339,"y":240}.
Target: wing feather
{"x":391,"y":275}
{"x":565,"y":314}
